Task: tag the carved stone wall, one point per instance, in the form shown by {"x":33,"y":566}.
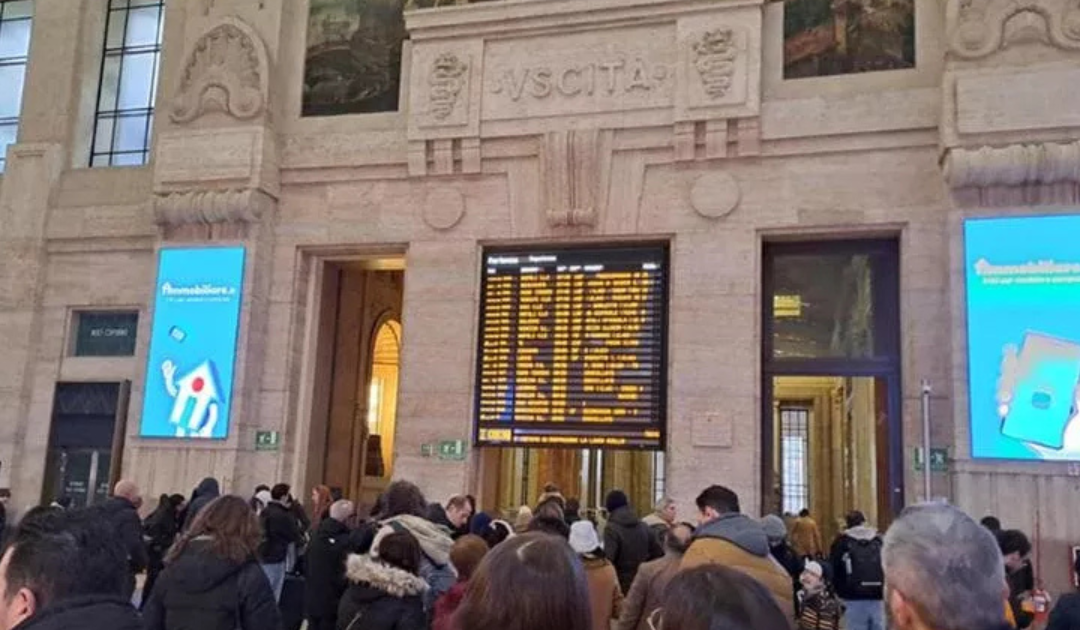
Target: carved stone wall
{"x":978,"y":28}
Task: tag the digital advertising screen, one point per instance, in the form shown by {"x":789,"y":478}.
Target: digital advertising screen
{"x":1023,"y":326}
{"x":189,"y":371}
{"x":573,"y":348}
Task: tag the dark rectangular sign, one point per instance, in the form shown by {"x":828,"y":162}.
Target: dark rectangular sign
{"x":573,"y":348}
{"x":106,"y":334}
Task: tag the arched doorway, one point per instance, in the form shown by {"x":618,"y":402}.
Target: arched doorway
{"x":382,"y":399}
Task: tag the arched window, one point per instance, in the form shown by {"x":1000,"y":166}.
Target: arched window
{"x":382,"y":391}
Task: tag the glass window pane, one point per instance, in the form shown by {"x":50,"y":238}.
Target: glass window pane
{"x":156,"y":76}
{"x":130,"y":133}
{"x":103,"y":136}
{"x":18,"y":9}
{"x":823,"y":304}
{"x":135,"y":81}
{"x":14,"y":38}
{"x":8,"y":134}
{"x":11,"y":89}
{"x":144,"y":3}
{"x":110,"y":79}
{"x":142,"y":27}
{"x":114,"y":34}
{"x":100,"y":160}
{"x":128,"y":159}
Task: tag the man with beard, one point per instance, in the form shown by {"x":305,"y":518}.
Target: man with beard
{"x":943,"y":571}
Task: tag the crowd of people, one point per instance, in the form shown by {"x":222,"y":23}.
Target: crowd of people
{"x":224,"y":562}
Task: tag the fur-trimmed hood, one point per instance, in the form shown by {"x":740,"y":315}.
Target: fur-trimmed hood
{"x":364,"y":570}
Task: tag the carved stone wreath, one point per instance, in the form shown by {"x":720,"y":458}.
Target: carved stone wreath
{"x":223,"y":73}
{"x":714,"y":55}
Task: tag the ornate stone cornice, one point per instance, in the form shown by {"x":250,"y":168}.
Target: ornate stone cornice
{"x":208,"y":207}
{"x":1042,"y":173}
{"x":226,"y":71}
{"x":977,"y":28}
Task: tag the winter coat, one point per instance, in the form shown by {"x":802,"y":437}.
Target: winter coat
{"x":739,"y":542}
{"x":647,"y":592}
{"x":836,"y":561}
{"x":792,"y":563}
{"x":201,"y":591}
{"x":447,"y":605}
{"x":604,"y":593}
{"x":1019,"y":582}
{"x":437,"y":514}
{"x":280,"y":529}
{"x":123,"y":518}
{"x":1066,"y":613}
{"x":435,"y":542}
{"x":85,"y":613}
{"x":628,"y":543}
{"x":325,"y":582}
{"x":381,"y":597}
{"x":806,"y":538}
{"x":820,"y":611}
{"x":161,"y":528}
{"x":207,"y":490}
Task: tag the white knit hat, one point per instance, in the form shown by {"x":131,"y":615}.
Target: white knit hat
{"x":583,"y":538}
{"x":814,"y":568}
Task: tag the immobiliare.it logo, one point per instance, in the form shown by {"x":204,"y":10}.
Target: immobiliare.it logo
{"x":168,"y":289}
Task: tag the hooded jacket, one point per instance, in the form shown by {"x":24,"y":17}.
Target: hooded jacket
{"x":201,"y":591}
{"x":435,"y":542}
{"x":86,"y":613}
{"x":840,"y":548}
{"x":739,"y":542}
{"x":207,"y":490}
{"x":381,"y":597}
{"x":123,"y":517}
{"x":324,"y":582}
{"x":604,"y":593}
{"x":628,"y":542}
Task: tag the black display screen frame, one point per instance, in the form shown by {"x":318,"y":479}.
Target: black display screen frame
{"x":588,"y":249}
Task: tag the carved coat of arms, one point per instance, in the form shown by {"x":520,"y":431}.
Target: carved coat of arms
{"x":714,"y":58}
{"x":447,"y":79}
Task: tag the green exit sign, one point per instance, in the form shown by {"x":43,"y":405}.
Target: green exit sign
{"x":450,"y":450}
{"x":267,"y":440}
{"x":939,"y":460}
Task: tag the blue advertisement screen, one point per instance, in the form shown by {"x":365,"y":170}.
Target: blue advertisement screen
{"x":1023,"y":310}
{"x":189,"y":372}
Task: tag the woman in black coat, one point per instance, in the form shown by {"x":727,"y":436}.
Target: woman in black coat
{"x":159,"y":531}
{"x":211,"y":580}
{"x":385,"y":593}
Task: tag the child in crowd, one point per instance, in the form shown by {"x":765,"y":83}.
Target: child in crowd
{"x":819,"y":609}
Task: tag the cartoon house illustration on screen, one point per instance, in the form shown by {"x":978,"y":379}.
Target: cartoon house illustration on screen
{"x":196,"y":400}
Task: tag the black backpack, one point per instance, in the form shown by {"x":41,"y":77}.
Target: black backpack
{"x":864,"y":577}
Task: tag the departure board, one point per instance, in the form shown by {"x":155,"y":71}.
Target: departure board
{"x":573,"y":348}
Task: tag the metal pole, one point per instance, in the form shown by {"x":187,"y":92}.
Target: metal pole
{"x":926,"y":438}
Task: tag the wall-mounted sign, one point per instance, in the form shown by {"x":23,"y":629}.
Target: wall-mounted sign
{"x":105,"y":334}
{"x":573,"y":347}
{"x":1023,"y":333}
{"x":939,"y":460}
{"x":267,"y":440}
{"x":189,"y":372}
{"x":449,"y":450}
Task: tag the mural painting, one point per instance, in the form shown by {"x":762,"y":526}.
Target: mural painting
{"x":829,"y":37}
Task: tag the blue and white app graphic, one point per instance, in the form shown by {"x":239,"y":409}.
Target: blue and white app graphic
{"x":1023,"y":309}
{"x":189,"y":372}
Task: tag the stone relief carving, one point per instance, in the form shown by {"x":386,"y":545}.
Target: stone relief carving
{"x":609,"y":77}
{"x":1035,"y":173}
{"x":978,"y":27}
{"x":449,"y":76}
{"x":226,"y":72}
{"x":443,"y":208}
{"x":577,"y":166}
{"x":714,"y":55}
{"x":211,"y":206}
{"x":715,"y":195}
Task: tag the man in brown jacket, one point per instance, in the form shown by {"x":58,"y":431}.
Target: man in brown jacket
{"x":647,"y":591}
{"x":806,"y":537}
{"x":734,"y":540}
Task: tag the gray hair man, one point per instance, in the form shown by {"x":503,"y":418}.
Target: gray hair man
{"x":943,"y":571}
{"x":330,"y":544}
{"x":662,"y":517}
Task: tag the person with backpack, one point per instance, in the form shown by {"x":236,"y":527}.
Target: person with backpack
{"x":858,"y":574}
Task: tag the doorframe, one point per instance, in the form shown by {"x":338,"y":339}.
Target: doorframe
{"x":887,"y":327}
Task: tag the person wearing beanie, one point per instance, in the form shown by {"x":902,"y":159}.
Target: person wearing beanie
{"x":479,"y":523}
{"x":781,"y":550}
{"x":466,"y":555}
{"x":521,"y":521}
{"x":628,"y":542}
{"x":604,"y":592}
{"x":818,"y":608}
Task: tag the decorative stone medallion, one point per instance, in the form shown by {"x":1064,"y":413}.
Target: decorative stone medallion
{"x":715,"y":195}
{"x":443,"y":208}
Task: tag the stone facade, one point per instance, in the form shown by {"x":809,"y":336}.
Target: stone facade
{"x":531,"y":120}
